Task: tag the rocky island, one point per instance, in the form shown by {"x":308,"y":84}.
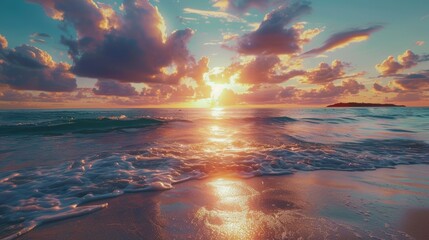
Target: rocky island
{"x":355,"y":104}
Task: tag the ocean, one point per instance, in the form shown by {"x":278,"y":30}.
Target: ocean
{"x":53,"y":161}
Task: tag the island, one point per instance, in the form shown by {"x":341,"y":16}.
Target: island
{"x":355,"y":104}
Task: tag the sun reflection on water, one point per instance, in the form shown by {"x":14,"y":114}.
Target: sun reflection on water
{"x":218,"y":135}
{"x":217,"y":112}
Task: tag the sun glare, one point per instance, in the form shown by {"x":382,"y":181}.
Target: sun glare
{"x":217,"y":90}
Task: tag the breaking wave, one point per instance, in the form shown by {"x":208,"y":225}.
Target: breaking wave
{"x":83,"y":126}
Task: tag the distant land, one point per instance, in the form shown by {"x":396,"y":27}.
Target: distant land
{"x":355,"y":104}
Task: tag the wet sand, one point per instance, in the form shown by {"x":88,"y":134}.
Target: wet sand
{"x":386,"y":204}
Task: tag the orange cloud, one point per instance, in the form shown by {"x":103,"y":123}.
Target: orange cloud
{"x":3,"y":42}
{"x":405,"y":61}
{"x":342,"y":39}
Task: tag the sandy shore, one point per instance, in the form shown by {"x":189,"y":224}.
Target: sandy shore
{"x":386,"y":203}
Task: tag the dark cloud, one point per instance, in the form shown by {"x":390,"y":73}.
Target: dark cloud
{"x":128,"y":47}
{"x":40,"y":35}
{"x":405,"y":61}
{"x":408,"y":87}
{"x":384,"y":89}
{"x":414,"y":82}
{"x":344,"y":38}
{"x":22,"y":96}
{"x":30,"y":68}
{"x":113,"y":88}
{"x":273,"y":36}
{"x":9,"y":95}
{"x":35,"y":40}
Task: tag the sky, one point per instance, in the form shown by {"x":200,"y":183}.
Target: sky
{"x":212,"y":53}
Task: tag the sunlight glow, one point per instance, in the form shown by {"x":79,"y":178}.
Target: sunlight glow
{"x":217,"y":90}
{"x":217,"y":112}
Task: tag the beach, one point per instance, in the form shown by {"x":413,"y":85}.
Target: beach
{"x":380,"y":204}
{"x":214,"y":173}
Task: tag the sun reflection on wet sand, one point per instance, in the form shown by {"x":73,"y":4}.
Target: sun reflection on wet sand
{"x":230,"y":217}
{"x":243,"y":211}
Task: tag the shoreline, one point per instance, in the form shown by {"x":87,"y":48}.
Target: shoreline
{"x":382,"y":203}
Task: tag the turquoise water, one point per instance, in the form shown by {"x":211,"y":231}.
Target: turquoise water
{"x":51,"y":161}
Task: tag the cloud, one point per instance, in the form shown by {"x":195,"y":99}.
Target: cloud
{"x":405,"y":61}
{"x":163,"y":93}
{"x":35,"y":40}
{"x":9,"y":95}
{"x":330,"y":92}
{"x":269,"y":69}
{"x":275,"y":94}
{"x":272,"y":35}
{"x":258,"y":94}
{"x":128,"y":47}
{"x":185,"y":20}
{"x":342,"y":39}
{"x":30,"y":68}
{"x":3,"y":42}
{"x":89,"y":18}
{"x":242,"y":6}
{"x":262,"y":94}
{"x":414,"y":82}
{"x":420,"y":43}
{"x":29,"y":97}
{"x":326,"y":73}
{"x":409,"y":97}
{"x":40,"y":35}
{"x":113,"y":88}
{"x":264,"y":69}
{"x":384,"y":89}
{"x":213,"y":14}
{"x":409,"y":87}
